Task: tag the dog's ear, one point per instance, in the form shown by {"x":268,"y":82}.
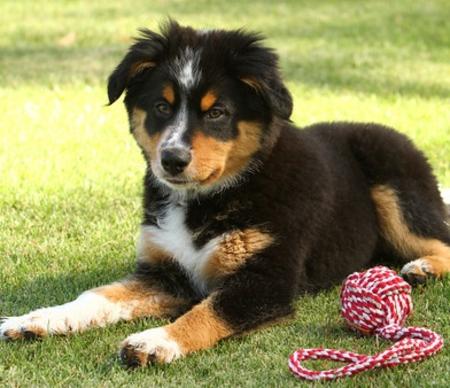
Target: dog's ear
{"x":257,"y":66}
{"x":130,"y":67}
{"x":274,"y":93}
{"x":142,"y":56}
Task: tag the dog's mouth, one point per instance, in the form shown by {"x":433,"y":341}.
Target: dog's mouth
{"x":183,"y":181}
{"x":179,"y":181}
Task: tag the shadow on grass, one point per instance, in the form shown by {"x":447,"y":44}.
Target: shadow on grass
{"x":52,"y":65}
{"x":332,"y":75}
{"x":338,"y":55}
{"x":55,"y":66}
{"x":46,"y":290}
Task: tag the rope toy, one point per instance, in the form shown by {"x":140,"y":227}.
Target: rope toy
{"x":374,"y":302}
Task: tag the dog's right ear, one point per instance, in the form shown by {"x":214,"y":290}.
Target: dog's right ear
{"x":142,"y":56}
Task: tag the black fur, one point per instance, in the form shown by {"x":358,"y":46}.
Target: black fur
{"x":311,"y":190}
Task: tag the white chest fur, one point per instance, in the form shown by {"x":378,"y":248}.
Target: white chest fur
{"x":175,"y":238}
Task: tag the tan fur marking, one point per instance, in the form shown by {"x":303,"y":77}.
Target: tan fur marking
{"x":140,"y":66}
{"x":439,"y":264}
{"x":146,"y":301}
{"x":150,"y":252}
{"x":147,"y":143}
{"x":169,"y":94}
{"x":124,"y":291}
{"x":213,"y":159}
{"x":252,"y":83}
{"x":209,"y":158}
{"x":130,"y":354}
{"x":235,"y":249}
{"x":207,"y":101}
{"x":199,"y":328}
{"x":395,"y":230}
{"x":247,"y":143}
{"x":436,"y":265}
{"x":31,"y":331}
{"x":13,"y":334}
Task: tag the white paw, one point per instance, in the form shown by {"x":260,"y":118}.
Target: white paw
{"x":27,"y":326}
{"x":45,"y":321}
{"x":417,"y":271}
{"x":153,"y":345}
{"x":419,"y":266}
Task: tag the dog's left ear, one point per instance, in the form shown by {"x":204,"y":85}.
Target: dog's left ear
{"x":142,"y":56}
{"x":274,"y":93}
{"x":257,"y":66}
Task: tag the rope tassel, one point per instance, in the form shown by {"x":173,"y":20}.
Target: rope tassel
{"x":375,"y":302}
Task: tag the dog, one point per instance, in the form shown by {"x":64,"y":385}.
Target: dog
{"x":242,"y":210}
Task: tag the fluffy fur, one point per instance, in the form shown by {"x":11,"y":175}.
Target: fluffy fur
{"x":242,"y":210}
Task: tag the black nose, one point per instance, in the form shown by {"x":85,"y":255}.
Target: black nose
{"x":175,"y":159}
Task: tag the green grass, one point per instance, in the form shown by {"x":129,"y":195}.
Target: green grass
{"x":70,"y":174}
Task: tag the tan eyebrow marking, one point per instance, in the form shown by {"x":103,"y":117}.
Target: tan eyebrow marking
{"x":169,"y":94}
{"x":140,"y":66}
{"x":208,"y":101}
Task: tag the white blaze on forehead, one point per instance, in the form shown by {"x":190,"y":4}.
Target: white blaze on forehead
{"x":186,"y":68}
{"x":173,"y":135}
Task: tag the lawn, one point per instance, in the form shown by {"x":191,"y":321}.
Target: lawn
{"x":70,"y":173}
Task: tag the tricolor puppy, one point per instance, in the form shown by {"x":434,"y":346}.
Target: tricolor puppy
{"x":242,"y":210}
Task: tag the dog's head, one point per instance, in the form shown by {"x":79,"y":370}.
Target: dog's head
{"x":200,"y":103}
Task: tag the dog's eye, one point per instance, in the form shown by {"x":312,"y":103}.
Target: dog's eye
{"x":163,"y":108}
{"x":214,"y":113}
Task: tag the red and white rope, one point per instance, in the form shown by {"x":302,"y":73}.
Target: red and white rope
{"x":378,"y":302}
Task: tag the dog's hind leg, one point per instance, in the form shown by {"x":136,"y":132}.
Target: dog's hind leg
{"x":411,"y":213}
{"x":428,"y":244}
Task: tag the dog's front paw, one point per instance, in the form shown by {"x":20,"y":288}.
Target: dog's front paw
{"x":27,"y":326}
{"x":149,"y":346}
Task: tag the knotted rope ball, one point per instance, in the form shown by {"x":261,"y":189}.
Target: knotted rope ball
{"x":374,"y":302}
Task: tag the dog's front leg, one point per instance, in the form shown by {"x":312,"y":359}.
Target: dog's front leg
{"x":244,"y":302}
{"x":125,"y":300}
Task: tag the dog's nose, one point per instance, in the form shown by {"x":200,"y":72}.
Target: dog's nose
{"x":175,"y":159}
